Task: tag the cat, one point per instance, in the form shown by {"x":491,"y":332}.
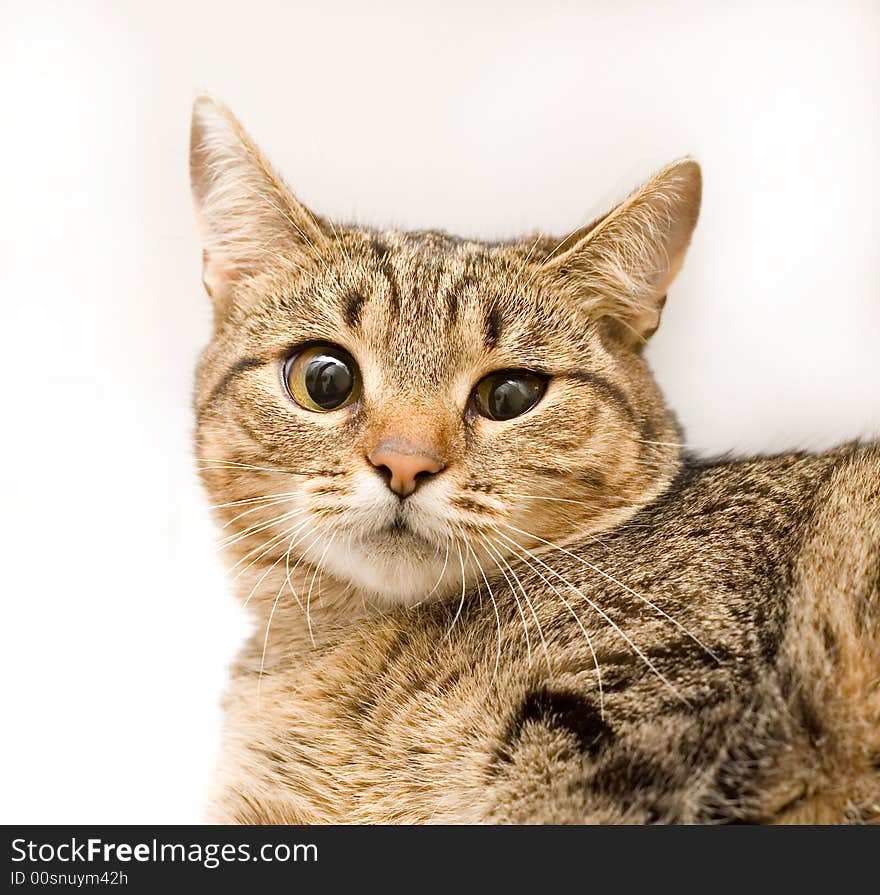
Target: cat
{"x":489,"y":582}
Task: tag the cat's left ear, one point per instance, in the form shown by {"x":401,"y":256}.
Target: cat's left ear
{"x":621,"y":267}
{"x":248,"y":219}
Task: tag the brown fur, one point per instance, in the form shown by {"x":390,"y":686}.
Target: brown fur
{"x":574,"y":621}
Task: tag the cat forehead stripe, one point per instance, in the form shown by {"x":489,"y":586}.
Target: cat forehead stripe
{"x":352,"y":306}
{"x":493,"y":323}
{"x":381,"y":251}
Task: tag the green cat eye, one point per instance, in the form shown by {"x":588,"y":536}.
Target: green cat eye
{"x":508,"y":393}
{"x":322,"y":378}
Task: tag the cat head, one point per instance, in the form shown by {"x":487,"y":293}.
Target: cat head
{"x":401,"y":410}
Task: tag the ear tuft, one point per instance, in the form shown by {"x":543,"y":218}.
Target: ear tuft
{"x":622,"y":266}
{"x":247,"y":217}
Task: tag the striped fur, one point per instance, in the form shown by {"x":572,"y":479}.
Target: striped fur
{"x":574,"y":621}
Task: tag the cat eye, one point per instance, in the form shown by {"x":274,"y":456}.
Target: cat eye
{"x":508,"y":393}
{"x":322,"y":378}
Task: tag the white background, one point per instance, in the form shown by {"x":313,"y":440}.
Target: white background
{"x":487,"y":119}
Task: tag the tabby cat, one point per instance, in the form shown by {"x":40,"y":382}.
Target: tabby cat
{"x":489,"y":584}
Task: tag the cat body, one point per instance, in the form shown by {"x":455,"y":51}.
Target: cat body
{"x":761,"y":705}
{"x":489,"y":583}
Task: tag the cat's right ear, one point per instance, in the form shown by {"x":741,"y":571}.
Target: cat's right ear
{"x":620,"y":267}
{"x":247,"y":217}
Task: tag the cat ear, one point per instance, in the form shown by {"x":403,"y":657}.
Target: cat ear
{"x":247,"y":217}
{"x":621,"y":266}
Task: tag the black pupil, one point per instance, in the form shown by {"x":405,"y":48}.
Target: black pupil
{"x":328,"y":380}
{"x":511,"y":396}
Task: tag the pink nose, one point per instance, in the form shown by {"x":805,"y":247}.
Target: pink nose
{"x":407,"y":464}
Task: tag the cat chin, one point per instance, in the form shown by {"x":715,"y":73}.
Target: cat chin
{"x":393,"y":577}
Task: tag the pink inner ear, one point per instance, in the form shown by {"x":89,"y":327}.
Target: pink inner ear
{"x":218,"y":275}
{"x":646,"y":321}
{"x":671,"y":272}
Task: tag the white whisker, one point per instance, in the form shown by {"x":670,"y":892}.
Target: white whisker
{"x":604,"y":615}
{"x":625,"y":587}
{"x":522,"y":615}
{"x":263,"y":577}
{"x":244,"y":500}
{"x":463,"y":591}
{"x":257,"y":509}
{"x":527,"y":601}
{"x":232,"y":465}
{"x":580,"y":624}
{"x":311,"y":586}
{"x":293,"y":542}
{"x":439,"y":578}
{"x":494,"y":606}
{"x":259,"y":527}
{"x":262,"y":549}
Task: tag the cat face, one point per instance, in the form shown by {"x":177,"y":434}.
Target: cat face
{"x":400,"y":411}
